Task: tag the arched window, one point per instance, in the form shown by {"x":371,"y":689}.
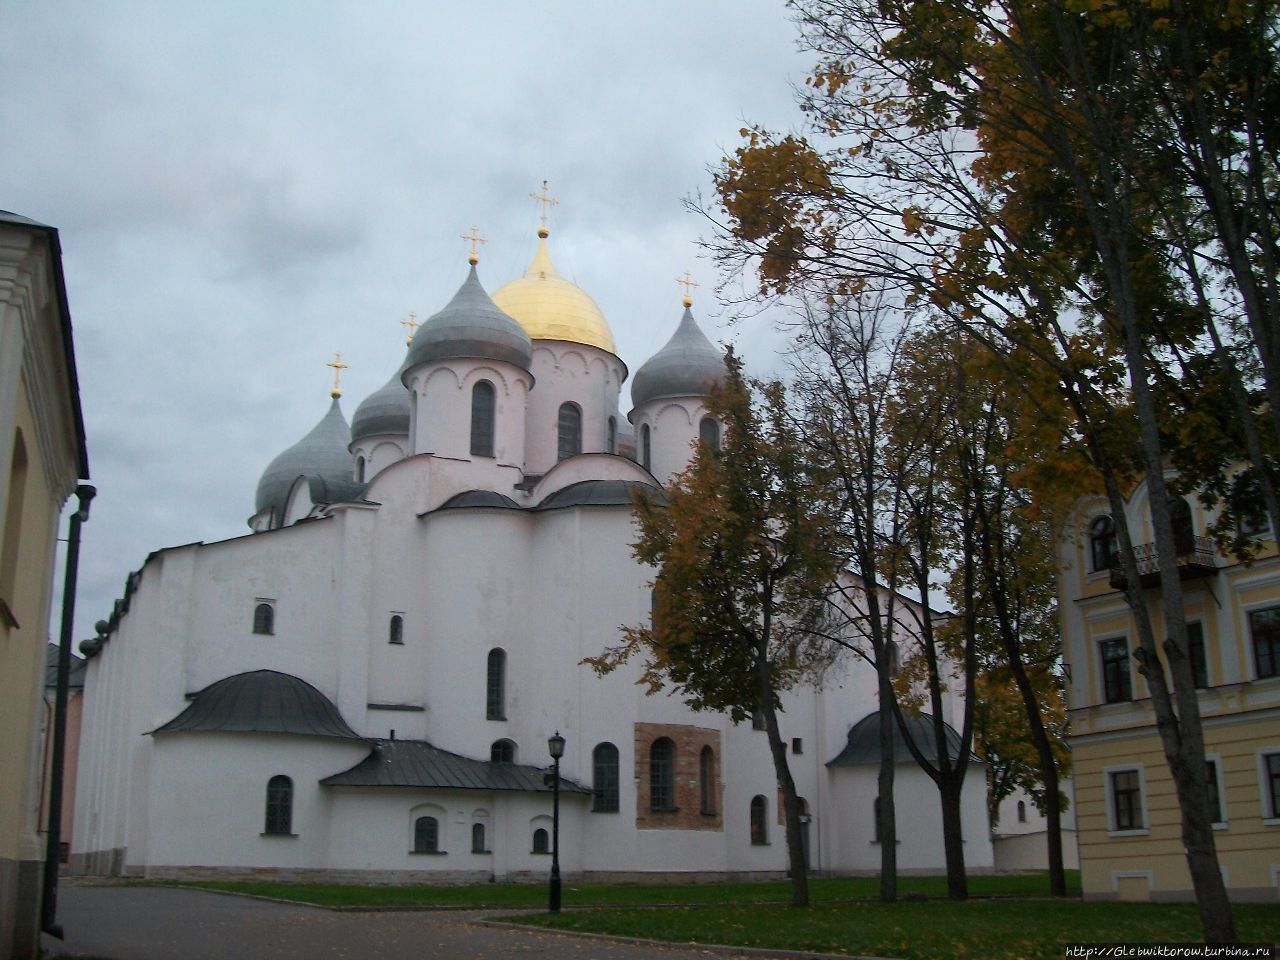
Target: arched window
{"x":483,"y":406}
{"x":1022,"y":811}
{"x":759,"y":820}
{"x":875,"y":819}
{"x":502,"y":751}
{"x":264,"y":618}
{"x":359,"y":469}
{"x":611,"y":436}
{"x":1184,"y":534}
{"x":646,"y":458}
{"x":707,"y":782}
{"x":662,"y":780}
{"x":604,"y":778}
{"x":569,"y":435}
{"x":709,"y":432}
{"x":426,"y":835}
{"x":395,"y":632}
{"x":1102,"y":542}
{"x":495,"y":704}
{"x":541,"y":842}
{"x":477,"y":838}
{"x":279,"y":806}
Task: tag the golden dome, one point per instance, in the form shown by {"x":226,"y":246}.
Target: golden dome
{"x":549,"y":307}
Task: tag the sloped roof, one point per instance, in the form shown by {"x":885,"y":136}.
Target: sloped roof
{"x":75,"y":676}
{"x":416,"y":763}
{"x":262,"y":701}
{"x":863,"y":746}
{"x":599,"y":493}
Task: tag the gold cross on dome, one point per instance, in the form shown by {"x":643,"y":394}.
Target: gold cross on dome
{"x":338,"y":367}
{"x":688,"y":283}
{"x":410,"y":324}
{"x":474,"y":236}
{"x":547,"y":202}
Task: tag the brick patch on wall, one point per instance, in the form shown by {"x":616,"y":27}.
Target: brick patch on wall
{"x":689,"y":742}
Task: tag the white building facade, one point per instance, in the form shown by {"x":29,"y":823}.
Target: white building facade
{"x":363,"y":688}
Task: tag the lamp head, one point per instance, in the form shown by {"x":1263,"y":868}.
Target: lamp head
{"x":555,"y":744}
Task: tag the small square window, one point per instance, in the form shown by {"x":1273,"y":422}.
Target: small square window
{"x":797,"y":745}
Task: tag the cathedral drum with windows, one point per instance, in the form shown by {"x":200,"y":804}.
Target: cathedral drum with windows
{"x":368,"y":694}
{"x":1127,"y":817}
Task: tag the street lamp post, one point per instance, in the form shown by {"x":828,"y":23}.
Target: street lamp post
{"x":555,"y":744}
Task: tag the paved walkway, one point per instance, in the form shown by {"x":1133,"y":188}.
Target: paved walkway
{"x":167,"y":923}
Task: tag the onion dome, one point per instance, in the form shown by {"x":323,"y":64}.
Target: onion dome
{"x":385,"y":411}
{"x":322,"y":457}
{"x":470,"y":326}
{"x":688,"y":366}
{"x":549,"y":307}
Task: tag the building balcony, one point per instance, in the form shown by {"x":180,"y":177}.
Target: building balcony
{"x":1196,"y":560}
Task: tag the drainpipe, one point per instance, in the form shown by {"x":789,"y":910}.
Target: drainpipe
{"x":49,"y":900}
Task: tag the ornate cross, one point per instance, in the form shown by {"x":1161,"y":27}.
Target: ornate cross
{"x":547,"y":202}
{"x":688,"y":283}
{"x":475,"y":238}
{"x":410,"y":324}
{"x":338,"y":367}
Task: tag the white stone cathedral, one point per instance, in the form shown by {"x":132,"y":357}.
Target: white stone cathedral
{"x":364,"y":687}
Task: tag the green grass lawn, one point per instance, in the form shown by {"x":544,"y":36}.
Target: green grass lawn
{"x":932,"y":930}
{"x":629,"y":894}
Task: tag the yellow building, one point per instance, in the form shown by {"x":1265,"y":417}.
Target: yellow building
{"x":42,"y":454}
{"x":1126,"y":808}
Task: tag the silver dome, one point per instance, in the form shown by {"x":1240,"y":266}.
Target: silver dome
{"x":322,"y":457}
{"x":688,"y":366}
{"x":383,"y":412}
{"x":471,"y":326}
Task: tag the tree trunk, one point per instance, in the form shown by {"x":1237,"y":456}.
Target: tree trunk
{"x":886,"y":819}
{"x":790,"y":805}
{"x":949,"y":790}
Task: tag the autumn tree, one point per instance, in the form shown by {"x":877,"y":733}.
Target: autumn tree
{"x":740,"y":549}
{"x":1024,"y":166}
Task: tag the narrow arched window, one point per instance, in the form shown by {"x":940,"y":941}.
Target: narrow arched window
{"x":279,"y":806}
{"x":604,"y":778}
{"x":646,"y":458}
{"x":426,"y":835}
{"x":759,"y":820}
{"x":611,"y":436}
{"x":495,"y":706}
{"x":1184,"y":534}
{"x":477,"y":838}
{"x":709,"y":433}
{"x":13,"y":515}
{"x":483,"y":406}
{"x":662,"y":779}
{"x":569,"y":434}
{"x":707,"y":782}
{"x":875,"y":819}
{"x":1022,"y":811}
{"x":395,"y":632}
{"x":359,"y":469}
{"x":264,"y":618}
{"x":1102,"y":542}
{"x":502,"y":751}
{"x":541,"y":842}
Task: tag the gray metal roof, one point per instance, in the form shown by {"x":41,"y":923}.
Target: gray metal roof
{"x":688,"y":366}
{"x":75,"y":676}
{"x":385,"y":411}
{"x":416,"y":763}
{"x":471,"y":326}
{"x":322,"y":456}
{"x":479,"y":498}
{"x":262,"y":701}
{"x":863,"y":746}
{"x":603,"y":493}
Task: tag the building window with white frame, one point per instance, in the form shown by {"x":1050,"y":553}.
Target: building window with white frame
{"x":1213,"y":784}
{"x":1116,"y":686}
{"x":1125,"y":790}
{"x":1264,"y":627}
{"x":1270,"y":771}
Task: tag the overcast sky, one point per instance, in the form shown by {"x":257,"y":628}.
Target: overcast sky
{"x":245,"y":188}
